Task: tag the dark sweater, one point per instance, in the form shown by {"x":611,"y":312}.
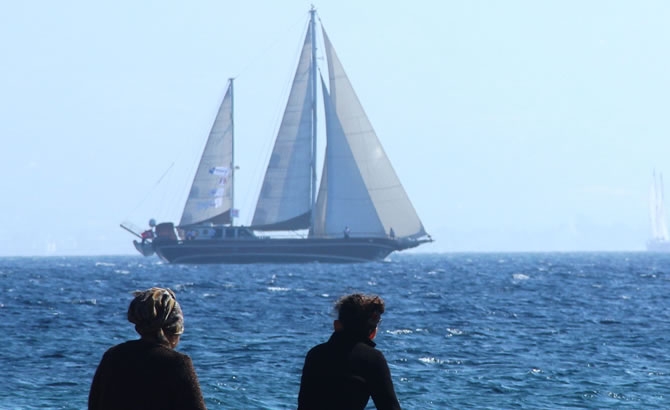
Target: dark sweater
{"x":344,"y":373}
{"x":145,"y":375}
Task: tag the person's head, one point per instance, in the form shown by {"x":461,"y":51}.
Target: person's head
{"x":157,"y":315}
{"x":359,"y":314}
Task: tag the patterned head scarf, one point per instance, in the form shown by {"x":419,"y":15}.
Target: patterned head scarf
{"x":155,"y":312}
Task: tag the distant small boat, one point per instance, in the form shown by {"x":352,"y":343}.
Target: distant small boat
{"x":660,"y":240}
{"x":359,"y":213}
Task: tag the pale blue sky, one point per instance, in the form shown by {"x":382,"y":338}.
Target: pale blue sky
{"x":513,"y":125}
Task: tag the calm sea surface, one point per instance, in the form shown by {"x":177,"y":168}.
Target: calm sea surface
{"x":462,"y":331}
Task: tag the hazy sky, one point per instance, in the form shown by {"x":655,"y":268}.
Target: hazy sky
{"x":513,"y":125}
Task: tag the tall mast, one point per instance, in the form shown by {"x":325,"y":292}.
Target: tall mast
{"x":232,"y":158}
{"x":312,"y":23}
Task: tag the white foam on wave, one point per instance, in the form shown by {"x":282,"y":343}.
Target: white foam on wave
{"x":520,"y":276}
{"x":181,"y":286}
{"x":278,"y":289}
{"x":104,"y":264}
{"x":430,"y":360}
{"x":86,"y":302}
{"x":454,"y":332}
{"x":122,"y":271}
{"x":400,"y":332}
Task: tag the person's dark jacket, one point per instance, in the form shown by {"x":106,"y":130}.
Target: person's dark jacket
{"x":344,"y":373}
{"x":145,"y":375}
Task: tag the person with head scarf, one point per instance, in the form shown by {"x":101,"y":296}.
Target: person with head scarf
{"x":148,"y":373}
{"x":347,"y":370}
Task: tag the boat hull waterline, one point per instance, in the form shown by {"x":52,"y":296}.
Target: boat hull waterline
{"x":289,"y":250}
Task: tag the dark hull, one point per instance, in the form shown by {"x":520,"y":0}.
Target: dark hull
{"x":146,"y":249}
{"x":272,"y":250}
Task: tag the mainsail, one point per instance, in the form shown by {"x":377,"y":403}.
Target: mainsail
{"x":284,"y":202}
{"x":211,"y":197}
{"x":359,"y":187}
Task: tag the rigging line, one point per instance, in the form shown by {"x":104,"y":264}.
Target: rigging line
{"x":151,"y":190}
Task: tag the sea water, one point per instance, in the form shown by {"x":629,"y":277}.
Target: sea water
{"x":461,"y":331}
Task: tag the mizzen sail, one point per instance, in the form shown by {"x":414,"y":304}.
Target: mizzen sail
{"x":211,"y":197}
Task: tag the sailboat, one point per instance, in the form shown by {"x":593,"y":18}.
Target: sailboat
{"x":359,"y":212}
{"x":659,"y":241}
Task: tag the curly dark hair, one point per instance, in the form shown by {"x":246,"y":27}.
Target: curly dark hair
{"x":360,"y":314}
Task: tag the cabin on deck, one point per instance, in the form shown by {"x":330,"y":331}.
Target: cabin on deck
{"x":219,"y":232}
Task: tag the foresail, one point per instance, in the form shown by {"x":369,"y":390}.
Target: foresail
{"x":379,"y":184}
{"x":285,"y":199}
{"x":210,"y":197}
{"x":344,"y":200}
{"x":318,"y":227}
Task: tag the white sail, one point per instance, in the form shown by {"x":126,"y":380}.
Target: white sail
{"x":318,"y":227}
{"x":363,"y":191}
{"x":659,"y":227}
{"x":285,"y":199}
{"x":211,"y":195}
{"x":347,"y":200}
{"x":662,"y":225}
{"x":652,"y":209}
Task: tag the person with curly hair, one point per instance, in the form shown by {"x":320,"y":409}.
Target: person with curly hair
{"x":347,"y":370}
{"x":148,"y":373}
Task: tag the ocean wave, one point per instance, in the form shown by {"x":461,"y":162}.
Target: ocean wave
{"x":430,"y":360}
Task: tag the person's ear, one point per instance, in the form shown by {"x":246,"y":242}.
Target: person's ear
{"x":173,"y":340}
{"x":337,"y":325}
{"x":373,"y":334}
